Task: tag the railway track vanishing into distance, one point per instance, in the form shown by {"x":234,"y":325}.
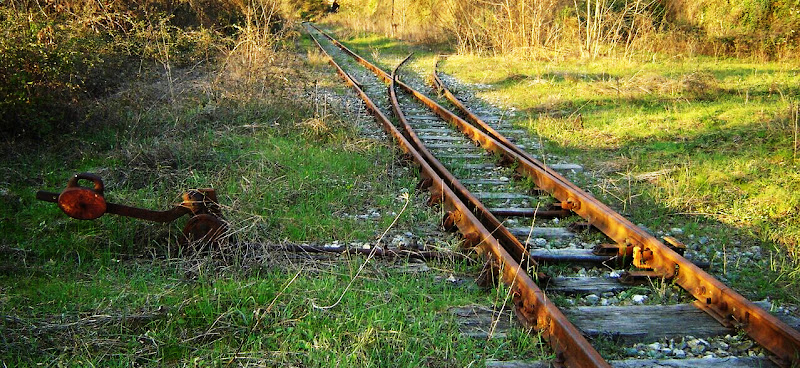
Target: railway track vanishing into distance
{"x":468,"y":165}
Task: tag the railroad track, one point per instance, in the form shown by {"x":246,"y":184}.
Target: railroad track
{"x":471,"y":168}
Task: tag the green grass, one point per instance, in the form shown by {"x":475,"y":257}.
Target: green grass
{"x":281,"y":167}
{"x":272,"y":314}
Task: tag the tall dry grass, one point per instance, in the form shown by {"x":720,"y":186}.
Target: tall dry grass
{"x":523,"y":27}
{"x":410,"y":20}
{"x":588,"y":28}
{"x":534,"y":28}
{"x":505,"y":26}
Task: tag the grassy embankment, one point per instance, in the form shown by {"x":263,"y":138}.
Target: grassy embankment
{"x":175,"y":106}
{"x":707,"y":145}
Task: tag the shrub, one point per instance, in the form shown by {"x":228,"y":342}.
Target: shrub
{"x":57,"y":57}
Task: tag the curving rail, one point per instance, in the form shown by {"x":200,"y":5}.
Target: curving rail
{"x":647,"y":252}
{"x":572,"y":349}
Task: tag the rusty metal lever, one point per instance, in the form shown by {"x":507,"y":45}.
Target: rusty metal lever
{"x":127,"y":211}
{"x":86,"y":203}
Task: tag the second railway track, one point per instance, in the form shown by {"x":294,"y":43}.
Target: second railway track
{"x":471,"y":169}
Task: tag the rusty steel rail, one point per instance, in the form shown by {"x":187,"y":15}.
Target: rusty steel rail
{"x":507,"y":240}
{"x":439,"y":85}
{"x":720,"y":301}
{"x":571,"y":348}
{"x":714,"y":297}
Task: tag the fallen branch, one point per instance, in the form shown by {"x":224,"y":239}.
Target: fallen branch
{"x":97,"y":320}
{"x":377,"y":252}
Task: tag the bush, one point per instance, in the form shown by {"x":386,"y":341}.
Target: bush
{"x":37,"y":90}
{"x":55,"y":59}
{"x":308,"y":9}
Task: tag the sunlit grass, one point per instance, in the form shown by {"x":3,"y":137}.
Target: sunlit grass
{"x":273,"y":315}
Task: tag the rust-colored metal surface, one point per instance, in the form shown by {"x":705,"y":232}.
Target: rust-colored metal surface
{"x":85,"y":203}
{"x":509,"y":242}
{"x":771,"y":333}
{"x":80,"y":202}
{"x":204,"y":229}
{"x":440,"y":86}
{"x":534,"y":308}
